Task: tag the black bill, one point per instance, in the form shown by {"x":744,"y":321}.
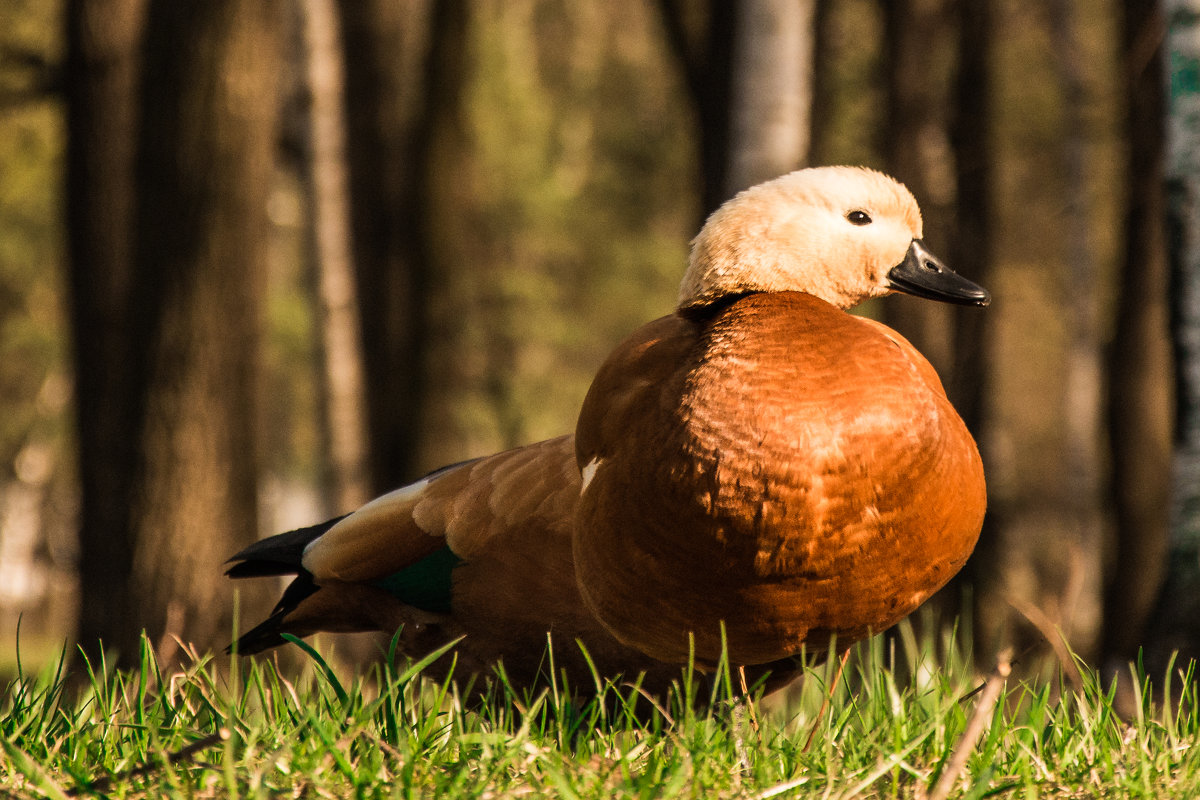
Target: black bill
{"x":923,"y":274}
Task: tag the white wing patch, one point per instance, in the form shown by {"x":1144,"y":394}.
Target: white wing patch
{"x":589,"y":472}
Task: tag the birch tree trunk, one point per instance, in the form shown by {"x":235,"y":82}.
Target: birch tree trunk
{"x":1177,"y":625}
{"x":1183,"y":217}
{"x":342,"y":398}
{"x":772,"y":91}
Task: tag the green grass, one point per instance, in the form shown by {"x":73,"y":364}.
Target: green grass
{"x":243,"y":729}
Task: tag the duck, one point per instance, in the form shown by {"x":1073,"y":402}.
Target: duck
{"x":751,"y":477}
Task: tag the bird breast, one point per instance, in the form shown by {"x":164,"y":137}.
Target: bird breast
{"x":794,"y":473}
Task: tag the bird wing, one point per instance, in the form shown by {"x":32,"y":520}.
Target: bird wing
{"x":470,"y":507}
{"x":467,"y":507}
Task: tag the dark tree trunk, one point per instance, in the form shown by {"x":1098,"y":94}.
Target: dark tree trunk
{"x":403,"y":71}
{"x":917,"y":44}
{"x":921,"y":51}
{"x":167,"y":193}
{"x":820,"y":128}
{"x":206,"y":147}
{"x":1176,"y":622}
{"x":1139,"y":363}
{"x":971,"y":246}
{"x":103,"y":38}
{"x":704,"y":48}
{"x":1084,"y":469}
{"x":970,"y":251}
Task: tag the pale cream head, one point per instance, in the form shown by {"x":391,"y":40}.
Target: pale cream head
{"x":799,"y":233}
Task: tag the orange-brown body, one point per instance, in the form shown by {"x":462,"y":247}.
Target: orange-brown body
{"x":790,"y":469}
{"x":759,"y":461}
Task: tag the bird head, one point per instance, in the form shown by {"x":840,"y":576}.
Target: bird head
{"x":843,"y":234}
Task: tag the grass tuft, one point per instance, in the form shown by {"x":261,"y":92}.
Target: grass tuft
{"x":900,"y":720}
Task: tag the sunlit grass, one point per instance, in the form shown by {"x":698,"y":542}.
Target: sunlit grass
{"x":244,"y":729}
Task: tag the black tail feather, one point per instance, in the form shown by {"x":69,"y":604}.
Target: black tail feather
{"x":277,"y":555}
{"x":264,"y":636}
{"x":267,"y":634}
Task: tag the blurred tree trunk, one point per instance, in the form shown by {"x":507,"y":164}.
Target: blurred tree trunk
{"x":1177,"y":623}
{"x":190,"y":304}
{"x":1078,"y":604}
{"x":206,"y":169}
{"x":772,"y":91}
{"x":1139,"y":361}
{"x":341,"y":398}
{"x":920,"y":59}
{"x":103,"y":37}
{"x":821,"y":107}
{"x":703,"y":43}
{"x":971,"y":246}
{"x":403,"y":74}
{"x":748,"y":69}
{"x":970,"y":251}
{"x":918,"y":46}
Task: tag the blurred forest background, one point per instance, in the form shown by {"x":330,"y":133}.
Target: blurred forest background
{"x":260,"y":259}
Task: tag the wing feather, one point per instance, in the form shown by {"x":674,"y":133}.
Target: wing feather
{"x":468,"y":507}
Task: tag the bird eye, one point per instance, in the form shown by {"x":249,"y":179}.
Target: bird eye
{"x":859,"y":217}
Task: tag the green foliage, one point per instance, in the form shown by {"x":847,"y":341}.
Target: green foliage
{"x":37,"y":508}
{"x":245,"y":728}
{"x":32,"y":339}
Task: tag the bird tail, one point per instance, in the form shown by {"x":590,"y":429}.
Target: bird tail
{"x":276,"y":555}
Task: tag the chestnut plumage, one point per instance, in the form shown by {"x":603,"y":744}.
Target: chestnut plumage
{"x":759,"y":461}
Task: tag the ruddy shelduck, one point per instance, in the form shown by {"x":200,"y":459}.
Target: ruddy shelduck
{"x":759,"y":471}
